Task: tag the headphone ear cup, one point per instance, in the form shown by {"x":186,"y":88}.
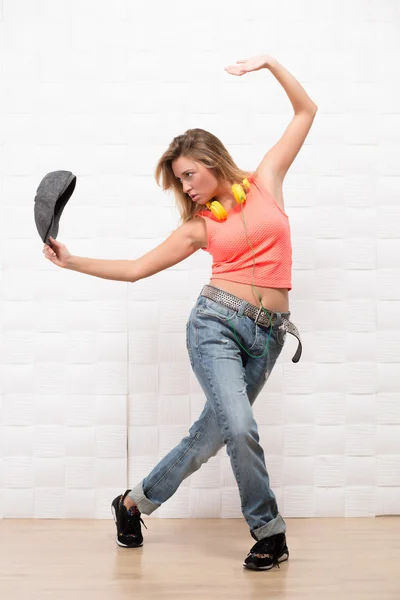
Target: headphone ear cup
{"x":217,"y":210}
{"x":239,"y":193}
{"x":240,"y":196}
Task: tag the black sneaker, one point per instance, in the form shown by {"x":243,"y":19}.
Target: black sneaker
{"x":267,"y":553}
{"x":129,"y":531}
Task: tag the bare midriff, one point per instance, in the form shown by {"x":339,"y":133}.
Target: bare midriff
{"x":275,"y":299}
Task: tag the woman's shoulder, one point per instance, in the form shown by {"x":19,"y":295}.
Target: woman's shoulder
{"x":271,"y":185}
{"x":197,"y":229}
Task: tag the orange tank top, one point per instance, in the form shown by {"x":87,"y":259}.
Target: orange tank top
{"x":268,"y":230}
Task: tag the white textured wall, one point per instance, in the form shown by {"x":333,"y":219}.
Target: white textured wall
{"x":95,"y":382}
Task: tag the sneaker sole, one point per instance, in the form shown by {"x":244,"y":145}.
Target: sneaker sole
{"x":252,"y":568}
{"x":116,"y":539}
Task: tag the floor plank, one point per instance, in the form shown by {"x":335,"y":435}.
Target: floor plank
{"x":350,"y":559}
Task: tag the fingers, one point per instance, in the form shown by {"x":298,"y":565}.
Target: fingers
{"x":53,"y":243}
{"x":48,"y":251}
{"x":235,"y":70}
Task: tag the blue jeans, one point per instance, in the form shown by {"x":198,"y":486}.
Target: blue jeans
{"x":231,"y":381}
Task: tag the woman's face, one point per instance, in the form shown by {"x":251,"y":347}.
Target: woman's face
{"x":197,"y":181}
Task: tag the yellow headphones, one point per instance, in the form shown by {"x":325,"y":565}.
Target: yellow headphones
{"x":240,"y":196}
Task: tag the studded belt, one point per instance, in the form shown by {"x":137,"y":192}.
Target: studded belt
{"x":257,"y":314}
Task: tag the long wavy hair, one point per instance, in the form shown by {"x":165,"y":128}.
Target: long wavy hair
{"x":204,"y":147}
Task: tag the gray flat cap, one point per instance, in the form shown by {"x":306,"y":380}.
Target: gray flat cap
{"x":52,"y":195}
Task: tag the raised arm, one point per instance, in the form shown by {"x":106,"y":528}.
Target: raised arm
{"x":278,"y":159}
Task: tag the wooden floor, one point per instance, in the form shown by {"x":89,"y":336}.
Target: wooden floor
{"x":330,"y":559}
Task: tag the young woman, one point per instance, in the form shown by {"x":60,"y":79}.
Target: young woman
{"x":237,"y":326}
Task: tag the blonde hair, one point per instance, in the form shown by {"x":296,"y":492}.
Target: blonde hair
{"x":201,"y":146}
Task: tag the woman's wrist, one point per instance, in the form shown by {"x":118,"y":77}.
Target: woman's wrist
{"x":269,"y":61}
{"x":71,"y":261}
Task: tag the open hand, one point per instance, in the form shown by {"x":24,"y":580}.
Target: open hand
{"x":57,"y":253}
{"x":249,"y":64}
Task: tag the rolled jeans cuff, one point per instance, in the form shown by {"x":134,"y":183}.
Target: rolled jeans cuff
{"x":277,"y":525}
{"x":145,"y":505}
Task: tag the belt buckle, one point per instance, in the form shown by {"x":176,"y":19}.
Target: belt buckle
{"x":273,"y":320}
